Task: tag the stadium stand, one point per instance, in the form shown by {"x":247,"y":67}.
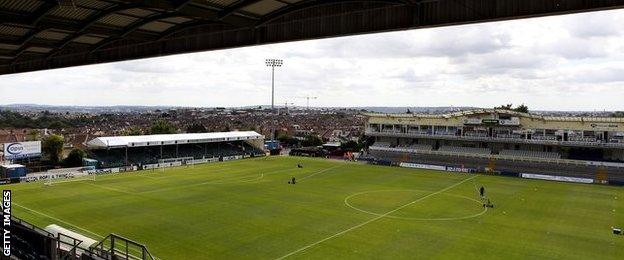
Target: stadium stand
{"x":509,"y":141}
{"x":141,"y":150}
{"x":524,"y":153}
{"x":469,"y":150}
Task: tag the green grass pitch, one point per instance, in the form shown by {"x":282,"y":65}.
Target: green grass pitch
{"x":246,"y":210}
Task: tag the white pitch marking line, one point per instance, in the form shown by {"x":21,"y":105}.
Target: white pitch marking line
{"x":346,"y":201}
{"x":373,"y":219}
{"x":321,"y":171}
{"x":50,"y":217}
{"x":66,"y":223}
{"x":112,"y":189}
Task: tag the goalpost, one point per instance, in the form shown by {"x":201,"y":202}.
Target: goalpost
{"x":69,"y":177}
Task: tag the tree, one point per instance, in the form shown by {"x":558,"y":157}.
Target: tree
{"x":521,"y":108}
{"x":312,"y":140}
{"x":287,"y":140}
{"x":196,"y":128}
{"x":74,"y":158}
{"x":617,"y":114}
{"x":52,"y":147}
{"x":133,"y":131}
{"x":162,"y":127}
{"x":32,"y":135}
{"x":505,"y":107}
{"x":351,"y":146}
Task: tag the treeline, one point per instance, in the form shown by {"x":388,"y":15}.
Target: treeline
{"x":10,"y":119}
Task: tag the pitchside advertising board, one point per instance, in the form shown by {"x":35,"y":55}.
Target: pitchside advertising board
{"x":437,"y":167}
{"x":21,"y":150}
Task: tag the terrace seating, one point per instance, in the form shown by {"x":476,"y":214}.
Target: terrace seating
{"x":524,"y":153}
{"x":468,"y":150}
{"x":152,"y":154}
{"x":544,"y":137}
{"x":381,"y":144}
{"x":582,"y":139}
{"x":475,"y":134}
{"x":511,"y":136}
{"x":420,"y":147}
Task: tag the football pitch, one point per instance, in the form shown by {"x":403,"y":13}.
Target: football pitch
{"x":246,"y":209}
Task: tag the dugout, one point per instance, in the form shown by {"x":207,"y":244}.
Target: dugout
{"x":12,"y":171}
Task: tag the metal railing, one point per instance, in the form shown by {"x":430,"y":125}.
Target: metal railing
{"x":119,"y":247}
{"x":500,"y":157}
{"x":496,"y":139}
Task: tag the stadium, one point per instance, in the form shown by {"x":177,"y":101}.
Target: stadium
{"x":217,"y":195}
{"x":503,"y":142}
{"x":484,"y":183}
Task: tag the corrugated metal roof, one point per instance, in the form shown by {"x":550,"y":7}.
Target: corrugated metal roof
{"x":263,"y":7}
{"x":137,"y":12}
{"x":93,"y":3}
{"x":12,"y":30}
{"x":177,"y":20}
{"x":222,"y":2}
{"x":20,"y":5}
{"x":52,"y":35}
{"x":70,"y":12}
{"x":157,"y":26}
{"x":88,"y":39}
{"x":38,"y":49}
{"x":8,"y":46}
{"x":117,"y":20}
{"x":155,"y":140}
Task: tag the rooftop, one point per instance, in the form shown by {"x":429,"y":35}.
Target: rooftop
{"x":169,"y":139}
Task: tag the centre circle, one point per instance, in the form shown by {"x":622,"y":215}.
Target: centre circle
{"x":411,"y":204}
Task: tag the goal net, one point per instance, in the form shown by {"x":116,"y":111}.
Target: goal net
{"x":68,"y":177}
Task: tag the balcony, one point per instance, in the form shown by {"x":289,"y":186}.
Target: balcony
{"x":539,"y":139}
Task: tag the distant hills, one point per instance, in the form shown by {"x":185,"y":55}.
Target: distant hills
{"x":141,"y":109}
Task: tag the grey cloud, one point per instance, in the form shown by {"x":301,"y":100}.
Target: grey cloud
{"x":607,"y":75}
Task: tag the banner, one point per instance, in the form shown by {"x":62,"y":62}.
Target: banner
{"x":423,"y":166}
{"x":20,"y":150}
{"x":555,"y":178}
{"x":460,"y":169}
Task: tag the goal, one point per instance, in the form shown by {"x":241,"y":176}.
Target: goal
{"x":68,"y":177}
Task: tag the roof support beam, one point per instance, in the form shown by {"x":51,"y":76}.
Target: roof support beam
{"x":193,"y":11}
{"x":89,"y":23}
{"x":131,"y":28}
{"x":235,"y":7}
{"x":305,"y":4}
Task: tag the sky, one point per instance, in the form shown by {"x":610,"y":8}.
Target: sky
{"x":571,"y":62}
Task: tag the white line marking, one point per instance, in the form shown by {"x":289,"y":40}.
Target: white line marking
{"x":217,"y":181}
{"x":111,"y":188}
{"x":346,"y":202}
{"x":61,"y":221}
{"x":69,"y":224}
{"x":373,"y":219}
{"x":321,"y":171}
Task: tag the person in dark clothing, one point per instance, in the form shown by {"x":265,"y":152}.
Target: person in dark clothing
{"x":299,"y":165}
{"x":482,"y":192}
{"x":293,"y":181}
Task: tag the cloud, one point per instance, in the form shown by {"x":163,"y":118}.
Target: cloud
{"x":558,"y":62}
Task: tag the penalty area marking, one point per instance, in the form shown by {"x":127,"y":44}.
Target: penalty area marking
{"x":319,"y":172}
{"x":346,"y":201}
{"x":374,"y":219}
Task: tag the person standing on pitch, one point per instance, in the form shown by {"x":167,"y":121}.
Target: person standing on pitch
{"x":482,"y":192}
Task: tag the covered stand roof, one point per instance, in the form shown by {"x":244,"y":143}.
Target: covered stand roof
{"x":45,"y":34}
{"x":171,"y":139}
